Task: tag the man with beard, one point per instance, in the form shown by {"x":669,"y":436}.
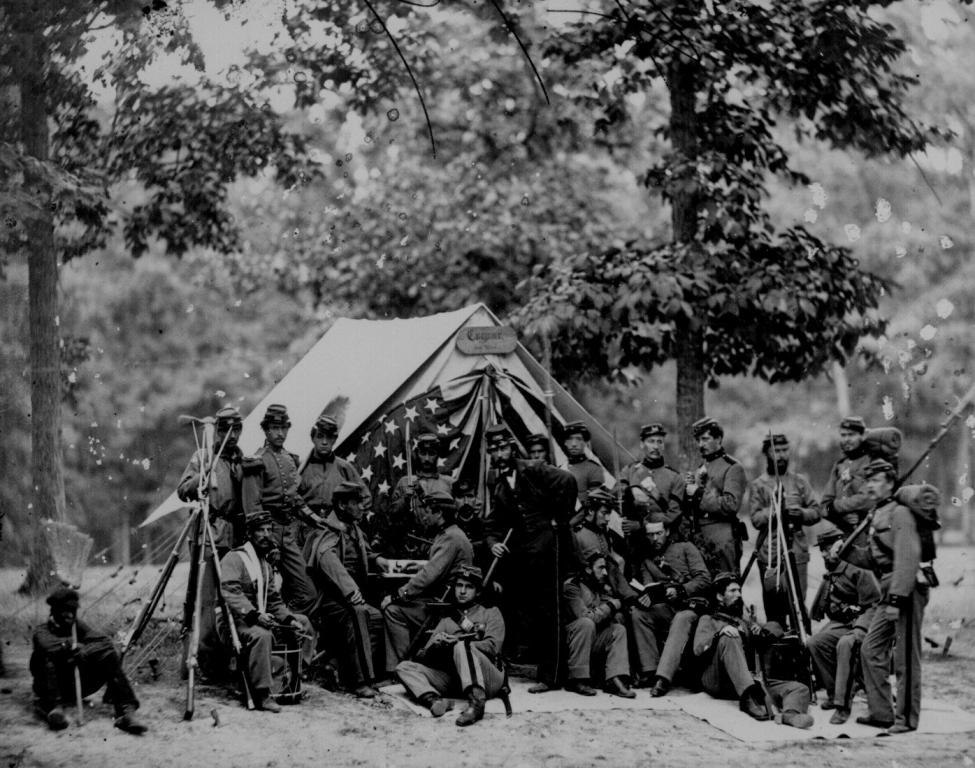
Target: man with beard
{"x":714,"y":495}
{"x":406,"y":609}
{"x":593,"y":536}
{"x":595,"y":632}
{"x":651,"y":490}
{"x":64,"y":645}
{"x":226,"y":521}
{"x":325,"y":471}
{"x":848,"y":596}
{"x":538,"y":447}
{"x":727,"y":646}
{"x":893,"y":552}
{"x":462,"y":654}
{"x":270,"y":486}
{"x":397,"y":532}
{"x":679,"y":567}
{"x":339,"y":559}
{"x":792,"y":494}
{"x":534,"y":502}
{"x":469,"y":516}
{"x":845,"y":501}
{"x":256,"y":606}
{"x":587,"y":473}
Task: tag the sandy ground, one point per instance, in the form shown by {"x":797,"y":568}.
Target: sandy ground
{"x":335,"y":729}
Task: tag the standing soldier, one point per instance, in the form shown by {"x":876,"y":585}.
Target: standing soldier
{"x":845,"y":501}
{"x":325,"y":471}
{"x":587,"y":473}
{"x":398,"y":533}
{"x":893,"y":551}
{"x":538,"y":447}
{"x":226,"y":520}
{"x":848,"y":597}
{"x":339,"y":558}
{"x":794,"y":497}
{"x":651,"y":490}
{"x":532,"y":504}
{"x":463,"y":654}
{"x":714,"y":494}
{"x":271,"y":485}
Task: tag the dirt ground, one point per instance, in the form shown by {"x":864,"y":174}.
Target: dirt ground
{"x":336,"y":729}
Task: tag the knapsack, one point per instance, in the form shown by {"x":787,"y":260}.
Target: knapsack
{"x":923,"y":500}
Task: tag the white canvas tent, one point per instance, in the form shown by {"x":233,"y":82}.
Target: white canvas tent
{"x":361,"y":370}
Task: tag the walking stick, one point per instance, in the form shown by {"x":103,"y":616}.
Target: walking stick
{"x":494,"y":564}
{"x":77,"y":675}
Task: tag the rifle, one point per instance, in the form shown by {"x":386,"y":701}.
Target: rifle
{"x":77,"y":675}
{"x":770,"y":708}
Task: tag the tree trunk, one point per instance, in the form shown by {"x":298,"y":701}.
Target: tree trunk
{"x":45,"y":364}
{"x":690,"y":392}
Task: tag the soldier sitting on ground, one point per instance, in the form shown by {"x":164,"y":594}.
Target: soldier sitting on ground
{"x":64,"y":644}
{"x":462,"y":654}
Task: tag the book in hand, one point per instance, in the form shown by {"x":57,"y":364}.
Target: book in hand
{"x":656,"y":591}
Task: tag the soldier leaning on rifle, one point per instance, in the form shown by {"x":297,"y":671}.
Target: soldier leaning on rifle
{"x":587,"y":473}
{"x":727,"y":644}
{"x":270,"y":486}
{"x":339,"y":559}
{"x":651,"y":490}
{"x":593,"y":536}
{"x":595,"y":631}
{"x":256,"y":606}
{"x":406,"y":609}
{"x":680,"y":569}
{"x":57,"y":653}
{"x":325,"y":471}
{"x":799,"y":510}
{"x":893,"y":551}
{"x":462,"y":654}
{"x":398,"y":533}
{"x":848,"y":597}
{"x":714,"y":496}
{"x":844,"y":501}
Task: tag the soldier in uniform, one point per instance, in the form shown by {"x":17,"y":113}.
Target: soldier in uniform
{"x":651,"y":489}
{"x":534,"y":502}
{"x":844,"y":501}
{"x":893,"y":552}
{"x":679,"y":566}
{"x":470,"y":516}
{"x":595,"y":631}
{"x":593,"y":536}
{"x":226,"y":521}
{"x":398,"y":532}
{"x":271,"y":485}
{"x":726,"y":643}
{"x":406,"y":609}
{"x":714,"y":496}
{"x":587,"y":473}
{"x":538,"y":447}
{"x":794,"y":496}
{"x":256,"y":606}
{"x":339,"y":559}
{"x":848,"y":598}
{"x":462,"y":655}
{"x":61,"y":645}
{"x":325,"y":471}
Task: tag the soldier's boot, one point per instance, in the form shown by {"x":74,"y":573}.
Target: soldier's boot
{"x":435,"y":704}
{"x":660,"y":687}
{"x":126,"y":720}
{"x":618,"y":687}
{"x":475,"y":708}
{"x":263,"y":700}
{"x":752,"y":703}
{"x":840,"y":716}
{"x":56,"y":719}
{"x":797,"y":719}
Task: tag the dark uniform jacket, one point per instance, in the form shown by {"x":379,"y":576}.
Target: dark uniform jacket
{"x":340,"y":556}
{"x":226,"y":508}
{"x":542,"y":495}
{"x":893,"y":550}
{"x":271,"y":484}
{"x":53,"y":641}
{"x":397,"y":521}
{"x":719,"y":498}
{"x":587,"y":473}
{"x":681,"y":563}
{"x":761,"y":492}
{"x":240,"y":590}
{"x":321,"y":476}
{"x":848,"y":595}
{"x":585,"y":600}
{"x":450,"y":550}
{"x":844,"y":491}
{"x":663,"y":502}
{"x":487,"y":622}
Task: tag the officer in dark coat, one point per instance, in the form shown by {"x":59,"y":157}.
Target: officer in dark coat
{"x":844,"y":499}
{"x":715,"y":494}
{"x":535,"y":502}
{"x":271,"y":485}
{"x":63,"y":644}
{"x":325,"y":471}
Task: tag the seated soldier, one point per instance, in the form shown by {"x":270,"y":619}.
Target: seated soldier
{"x":339,"y":559}
{"x":248,"y":588}
{"x":595,"y":633}
{"x":461,"y":655}
{"x":848,"y":597}
{"x":593,"y":535}
{"x":676,"y":570}
{"x":406,"y":609}
{"x":65,"y":644}
{"x":726,"y":644}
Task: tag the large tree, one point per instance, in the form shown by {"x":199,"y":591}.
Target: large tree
{"x":728,"y":291}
